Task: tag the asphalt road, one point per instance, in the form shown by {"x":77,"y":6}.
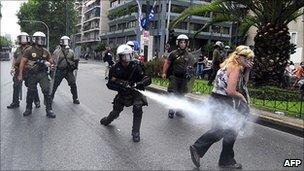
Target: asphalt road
{"x":75,"y":140}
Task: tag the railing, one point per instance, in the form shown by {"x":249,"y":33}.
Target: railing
{"x":290,"y":102}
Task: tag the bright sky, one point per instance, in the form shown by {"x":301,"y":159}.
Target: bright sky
{"x":9,"y":19}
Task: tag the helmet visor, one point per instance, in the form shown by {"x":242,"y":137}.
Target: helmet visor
{"x":23,"y":39}
{"x":64,"y":42}
{"x":126,"y":57}
{"x":39,"y":40}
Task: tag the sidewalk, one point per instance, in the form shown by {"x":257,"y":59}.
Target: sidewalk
{"x":284,"y":123}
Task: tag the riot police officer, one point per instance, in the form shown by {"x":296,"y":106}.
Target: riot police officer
{"x":125,"y":77}
{"x":178,"y":67}
{"x":37,"y":60}
{"x":23,"y":40}
{"x":66,"y":63}
{"x":217,"y":59}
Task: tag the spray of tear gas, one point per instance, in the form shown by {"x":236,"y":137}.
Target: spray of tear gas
{"x":206,"y":111}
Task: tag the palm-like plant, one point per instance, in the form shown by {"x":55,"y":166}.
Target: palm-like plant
{"x":272,"y":41}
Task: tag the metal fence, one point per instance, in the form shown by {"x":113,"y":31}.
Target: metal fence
{"x":280,"y":101}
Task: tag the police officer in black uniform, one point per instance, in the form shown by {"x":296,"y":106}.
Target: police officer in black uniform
{"x":125,"y":77}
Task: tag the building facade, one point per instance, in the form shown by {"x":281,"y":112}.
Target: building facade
{"x":296,"y":30}
{"x":91,"y":22}
{"x":124,"y":25}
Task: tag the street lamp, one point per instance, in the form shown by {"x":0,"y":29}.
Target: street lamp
{"x":47,"y":30}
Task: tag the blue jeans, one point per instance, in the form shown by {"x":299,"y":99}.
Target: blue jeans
{"x":199,"y":70}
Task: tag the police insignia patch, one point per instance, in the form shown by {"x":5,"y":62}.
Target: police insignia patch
{"x":34,"y":55}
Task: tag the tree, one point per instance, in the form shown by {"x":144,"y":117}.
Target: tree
{"x":272,"y":42}
{"x":4,"y":42}
{"x":53,"y":14}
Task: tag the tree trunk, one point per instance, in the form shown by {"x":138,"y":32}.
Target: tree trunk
{"x":272,"y":52}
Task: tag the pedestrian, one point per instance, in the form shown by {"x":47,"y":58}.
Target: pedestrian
{"x":200,"y":67}
{"x":125,"y":77}
{"x":24,"y":41}
{"x":108,"y":57}
{"x":37,"y":60}
{"x":298,"y":73}
{"x":66,"y":63}
{"x":178,"y":68}
{"x":287,"y":75}
{"x":230,"y":89}
{"x":135,"y":54}
{"x":217,"y":59}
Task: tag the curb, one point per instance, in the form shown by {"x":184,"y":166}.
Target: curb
{"x":295,"y":126}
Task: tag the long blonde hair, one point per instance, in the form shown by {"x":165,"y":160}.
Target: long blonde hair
{"x":241,"y":50}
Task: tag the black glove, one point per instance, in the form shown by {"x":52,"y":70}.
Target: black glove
{"x":125,"y":84}
{"x":139,"y":86}
{"x":189,"y":73}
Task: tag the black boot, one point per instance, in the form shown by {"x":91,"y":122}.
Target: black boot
{"x":13,"y":105}
{"x":171,"y":114}
{"x":29,"y":101}
{"x":50,"y":113}
{"x":16,"y":91}
{"x":137,"y":116}
{"x":74,"y":94}
{"x":105,"y":121}
{"x":37,"y":104}
{"x":27,"y":112}
{"x":135,"y":136}
{"x":194,"y":156}
{"x":76,"y":101}
{"x":48,"y":105}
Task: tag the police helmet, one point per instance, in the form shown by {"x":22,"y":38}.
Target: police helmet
{"x":125,"y":53}
{"x":227,"y":47}
{"x":23,"y":38}
{"x":39,"y":38}
{"x":130,"y":43}
{"x":219,"y":44}
{"x":65,"y":41}
{"x":182,"y":37}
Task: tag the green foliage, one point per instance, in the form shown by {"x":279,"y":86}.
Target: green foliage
{"x":122,"y":12}
{"x":4,"y":42}
{"x":100,"y":47}
{"x":154,"y":67}
{"x":53,"y":14}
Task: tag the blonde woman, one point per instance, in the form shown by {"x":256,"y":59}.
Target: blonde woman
{"x":230,"y":89}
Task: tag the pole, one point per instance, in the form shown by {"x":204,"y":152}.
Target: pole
{"x":66,"y":19}
{"x":168,"y":21}
{"x":47,"y":30}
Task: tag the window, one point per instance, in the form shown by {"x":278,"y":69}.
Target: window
{"x":293,"y":38}
{"x":225,"y":30}
{"x":154,"y":25}
{"x":182,"y":25}
{"x":216,"y":29}
{"x":113,"y":28}
{"x":113,"y":4}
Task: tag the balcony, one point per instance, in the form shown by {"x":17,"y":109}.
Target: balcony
{"x":91,"y":29}
{"x":91,"y":5}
